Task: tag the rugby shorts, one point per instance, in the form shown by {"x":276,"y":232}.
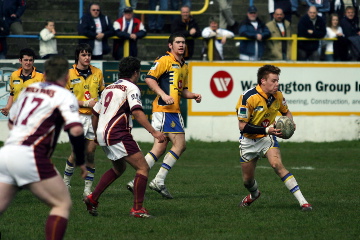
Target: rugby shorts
{"x":168,"y":122}
{"x":20,"y":166}
{"x":126,"y":147}
{"x":87,"y":126}
{"x":251,"y":149}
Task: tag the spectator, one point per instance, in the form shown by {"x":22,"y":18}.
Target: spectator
{"x":127,"y":27}
{"x":187,"y":26}
{"x":310,"y":26}
{"x":323,"y":7}
{"x":12,"y":11}
{"x":157,"y":21}
{"x":122,"y":6}
{"x":36,"y":121}
{"x":279,"y":27}
{"x":86,"y":82}
{"x":213,"y":31}
{"x":288,"y":7}
{"x":253,"y":28}
{"x":175,"y":6}
{"x":4,"y":30}
{"x":227,"y":20}
{"x":48,"y":45}
{"x":333,"y":30}
{"x":339,"y":6}
{"x":23,"y":77}
{"x":350,"y":27}
{"x":112,"y":124}
{"x":98,"y":28}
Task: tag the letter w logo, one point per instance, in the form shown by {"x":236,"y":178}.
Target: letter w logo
{"x":222,"y":84}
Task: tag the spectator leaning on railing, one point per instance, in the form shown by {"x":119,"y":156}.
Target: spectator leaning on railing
{"x":252,"y":27}
{"x":310,"y":26}
{"x":48,"y":45}
{"x":279,"y":27}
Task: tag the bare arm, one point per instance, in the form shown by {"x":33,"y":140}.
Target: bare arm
{"x":189,"y":95}
{"x":153,"y":85}
{"x":142,"y":120}
{"x":6,"y":109}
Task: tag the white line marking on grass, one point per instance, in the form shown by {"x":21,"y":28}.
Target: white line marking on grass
{"x":297,"y":168}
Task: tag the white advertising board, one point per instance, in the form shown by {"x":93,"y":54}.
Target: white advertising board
{"x":316,"y":89}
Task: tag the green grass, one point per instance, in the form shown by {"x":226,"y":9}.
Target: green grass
{"x":207,"y":187}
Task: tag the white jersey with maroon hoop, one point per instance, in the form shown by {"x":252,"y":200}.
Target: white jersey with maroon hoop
{"x":39,"y":114}
{"x":114,"y":109}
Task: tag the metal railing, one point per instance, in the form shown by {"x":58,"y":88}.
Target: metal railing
{"x":294,"y":42}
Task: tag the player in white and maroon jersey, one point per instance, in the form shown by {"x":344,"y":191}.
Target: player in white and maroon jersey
{"x":112,"y":124}
{"x":35,"y":120}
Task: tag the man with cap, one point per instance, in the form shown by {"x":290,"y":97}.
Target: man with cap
{"x":127,"y":27}
{"x":253,"y":28}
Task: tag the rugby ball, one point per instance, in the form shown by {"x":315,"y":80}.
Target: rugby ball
{"x":286,"y":125}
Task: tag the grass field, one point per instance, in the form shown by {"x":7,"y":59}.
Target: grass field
{"x":206,"y":185}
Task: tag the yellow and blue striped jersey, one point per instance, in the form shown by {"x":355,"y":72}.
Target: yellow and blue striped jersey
{"x":85,"y":88}
{"x":17,"y":83}
{"x":256,"y":108}
{"x":172,"y":77}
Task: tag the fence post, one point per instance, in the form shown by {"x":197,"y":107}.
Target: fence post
{"x":294,"y":47}
{"x":126,"y":47}
{"x":210,"y":52}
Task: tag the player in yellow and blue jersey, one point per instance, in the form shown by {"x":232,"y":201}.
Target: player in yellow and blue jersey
{"x":256,"y":112}
{"x":168,"y":78}
{"x":86,"y":82}
{"x":23,"y":77}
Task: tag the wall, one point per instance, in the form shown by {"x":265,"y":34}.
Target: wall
{"x":336,"y":117}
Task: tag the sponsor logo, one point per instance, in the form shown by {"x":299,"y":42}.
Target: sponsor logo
{"x":75,"y":81}
{"x":175,"y":66}
{"x":87,"y":95}
{"x":173,"y":125}
{"x":221,"y":84}
{"x":259,"y":108}
{"x":265,"y":123}
{"x":16,"y":82}
{"x":243,"y":113}
{"x":153,"y":67}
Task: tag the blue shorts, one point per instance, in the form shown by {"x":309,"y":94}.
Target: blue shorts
{"x":168,"y":122}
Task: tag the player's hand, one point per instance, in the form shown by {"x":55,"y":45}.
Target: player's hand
{"x":90,"y":103}
{"x":197,"y":97}
{"x":273,"y":131}
{"x":168,"y":99}
{"x":83,"y":170}
{"x":161,"y":137}
{"x":5,"y":111}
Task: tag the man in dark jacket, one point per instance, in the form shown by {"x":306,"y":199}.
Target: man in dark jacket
{"x":187,"y":26}
{"x":252,"y":27}
{"x":127,"y":27}
{"x":350,"y":27}
{"x":310,"y":26}
{"x":11,"y":13}
{"x":98,"y":28}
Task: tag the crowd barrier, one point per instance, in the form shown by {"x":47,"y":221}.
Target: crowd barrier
{"x":294,"y":41}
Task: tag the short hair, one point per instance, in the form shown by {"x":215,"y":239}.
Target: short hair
{"x":48,"y":21}
{"x":56,"y":67}
{"x":172,"y":37}
{"x":27,"y":52}
{"x":265,"y":70}
{"x":82,"y":47}
{"x":127,"y":66}
{"x":94,"y":3}
{"x":214,"y":19}
{"x":349,"y":7}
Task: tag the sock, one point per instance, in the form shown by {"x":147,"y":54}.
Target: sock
{"x":139,"y":191}
{"x":106,"y":179}
{"x":150,"y":159}
{"x":69,"y":171}
{"x":253,"y":189}
{"x":89,"y":179}
{"x":292,"y":185}
{"x":55,"y":227}
{"x":169,"y":161}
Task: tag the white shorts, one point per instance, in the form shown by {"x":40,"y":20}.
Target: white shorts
{"x":251,"y":149}
{"x":167,"y":122}
{"x":20,"y":166}
{"x":87,"y":126}
{"x":126,"y":147}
